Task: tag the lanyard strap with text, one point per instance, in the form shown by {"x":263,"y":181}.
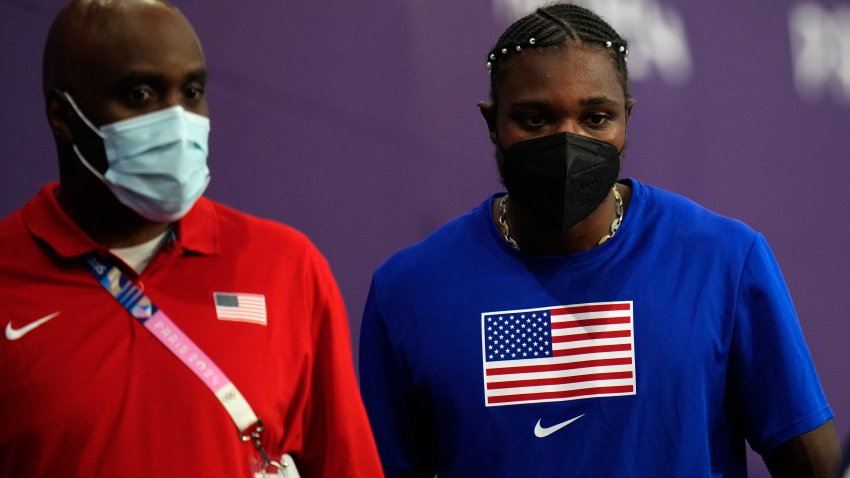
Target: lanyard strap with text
{"x":157,"y":323}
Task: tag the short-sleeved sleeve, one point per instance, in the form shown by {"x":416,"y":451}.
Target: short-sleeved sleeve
{"x":772,"y":385}
{"x":337,"y":437}
{"x":404,"y":434}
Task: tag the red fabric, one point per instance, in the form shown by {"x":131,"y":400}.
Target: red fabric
{"x":91,"y":393}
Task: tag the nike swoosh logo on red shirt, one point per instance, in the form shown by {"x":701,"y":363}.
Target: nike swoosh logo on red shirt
{"x":15,"y":334}
{"x":542,"y":432}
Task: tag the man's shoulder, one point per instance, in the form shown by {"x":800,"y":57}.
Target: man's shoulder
{"x":235,"y":226}
{"x":12,"y":229}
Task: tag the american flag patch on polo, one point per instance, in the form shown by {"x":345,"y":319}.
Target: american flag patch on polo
{"x":240,"y":307}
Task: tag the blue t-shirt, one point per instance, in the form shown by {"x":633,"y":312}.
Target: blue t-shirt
{"x":655,"y":354}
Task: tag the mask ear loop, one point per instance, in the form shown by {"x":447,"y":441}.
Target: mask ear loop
{"x":88,"y":166}
{"x":91,"y":126}
{"x":82,"y":116}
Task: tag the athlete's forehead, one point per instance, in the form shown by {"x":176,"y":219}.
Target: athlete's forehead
{"x":579,"y":74}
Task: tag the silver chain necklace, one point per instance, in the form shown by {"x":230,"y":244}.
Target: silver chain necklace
{"x":615,"y":224}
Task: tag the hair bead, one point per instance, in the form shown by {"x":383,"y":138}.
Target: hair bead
{"x":556,"y":25}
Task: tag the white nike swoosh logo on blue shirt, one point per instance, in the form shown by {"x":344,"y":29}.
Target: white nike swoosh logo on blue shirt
{"x":542,"y":432}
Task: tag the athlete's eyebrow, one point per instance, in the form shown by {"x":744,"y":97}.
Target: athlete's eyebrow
{"x":598,"y":100}
{"x":530,"y":104}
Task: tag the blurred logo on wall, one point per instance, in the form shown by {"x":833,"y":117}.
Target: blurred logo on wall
{"x":663,"y":48}
{"x":820,"y":50}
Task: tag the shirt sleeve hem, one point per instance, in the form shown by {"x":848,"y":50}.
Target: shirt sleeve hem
{"x":792,"y":431}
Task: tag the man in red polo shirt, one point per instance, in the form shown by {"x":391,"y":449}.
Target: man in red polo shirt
{"x":150,"y":331}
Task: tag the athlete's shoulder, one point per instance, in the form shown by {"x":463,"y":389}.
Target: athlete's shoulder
{"x":685,"y":216}
{"x":449,"y":243}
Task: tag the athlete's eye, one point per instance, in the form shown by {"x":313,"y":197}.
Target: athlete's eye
{"x":598,"y":120}
{"x":532,"y":120}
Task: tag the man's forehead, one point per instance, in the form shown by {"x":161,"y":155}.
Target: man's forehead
{"x":136,"y":26}
{"x":94,"y":8}
{"x":111,"y":41}
{"x":96,"y":16}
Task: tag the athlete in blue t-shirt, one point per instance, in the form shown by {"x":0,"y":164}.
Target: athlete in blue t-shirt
{"x":580,"y":326}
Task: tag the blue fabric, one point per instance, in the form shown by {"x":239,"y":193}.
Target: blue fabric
{"x":719,"y":355}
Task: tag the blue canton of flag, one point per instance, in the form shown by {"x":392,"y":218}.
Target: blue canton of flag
{"x":517,"y":336}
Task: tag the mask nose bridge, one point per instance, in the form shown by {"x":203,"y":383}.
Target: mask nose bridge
{"x":174,"y":97}
{"x":570,"y":125}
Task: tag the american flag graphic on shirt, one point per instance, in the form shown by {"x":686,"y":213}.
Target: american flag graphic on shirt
{"x":240,"y":307}
{"x":558,"y":353}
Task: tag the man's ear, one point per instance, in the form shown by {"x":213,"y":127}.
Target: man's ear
{"x":488,"y":111}
{"x":58,"y":116}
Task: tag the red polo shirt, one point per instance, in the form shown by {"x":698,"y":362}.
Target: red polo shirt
{"x":90,"y":392}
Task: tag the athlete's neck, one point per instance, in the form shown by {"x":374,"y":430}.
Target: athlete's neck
{"x":535,"y":237}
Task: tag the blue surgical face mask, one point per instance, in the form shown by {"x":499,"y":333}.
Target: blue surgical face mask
{"x":157,"y":162}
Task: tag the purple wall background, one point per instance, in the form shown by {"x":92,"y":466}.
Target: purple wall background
{"x":356,"y":123}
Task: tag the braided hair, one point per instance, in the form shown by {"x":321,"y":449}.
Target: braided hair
{"x":552,"y":27}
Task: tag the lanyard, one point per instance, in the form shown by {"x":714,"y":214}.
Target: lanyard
{"x":157,"y":323}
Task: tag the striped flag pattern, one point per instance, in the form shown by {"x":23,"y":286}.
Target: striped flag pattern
{"x":558,"y":353}
{"x":240,"y":307}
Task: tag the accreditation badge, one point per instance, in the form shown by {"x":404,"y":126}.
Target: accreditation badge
{"x":285,"y":468}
